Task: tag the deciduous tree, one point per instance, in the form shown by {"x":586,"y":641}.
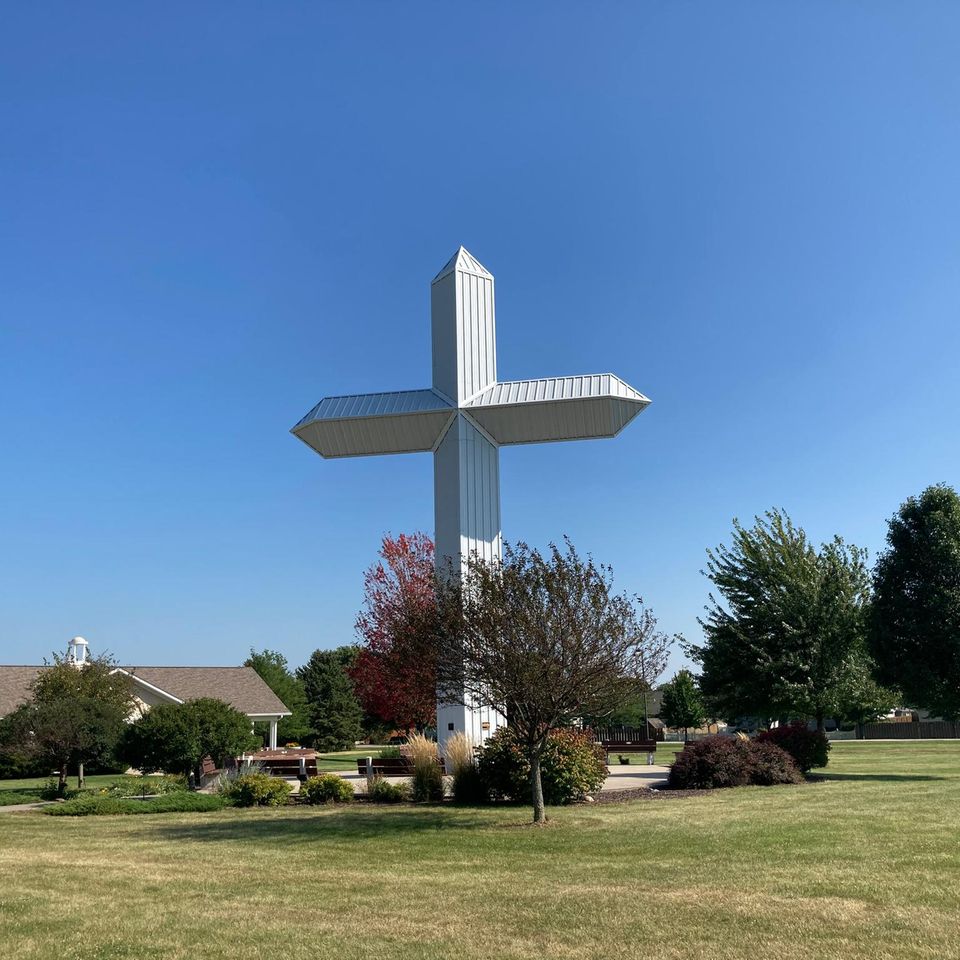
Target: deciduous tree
{"x":915,"y":621}
{"x":681,"y":706}
{"x":790,"y":625}
{"x":75,"y":715}
{"x":175,"y":737}
{"x":394,"y":675}
{"x":544,"y":640}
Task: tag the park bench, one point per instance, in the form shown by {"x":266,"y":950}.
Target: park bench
{"x":290,"y":764}
{"x":649,"y":747}
{"x":388,"y":766}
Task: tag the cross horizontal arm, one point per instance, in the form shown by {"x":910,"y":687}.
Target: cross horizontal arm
{"x":365,"y":424}
{"x":556,"y":408}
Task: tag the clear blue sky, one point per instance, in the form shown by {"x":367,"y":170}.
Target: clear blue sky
{"x":213,"y":215}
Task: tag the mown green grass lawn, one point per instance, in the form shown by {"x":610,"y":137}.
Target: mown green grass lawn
{"x":862,"y":866}
{"x":28,"y":789}
{"x":345,"y":759}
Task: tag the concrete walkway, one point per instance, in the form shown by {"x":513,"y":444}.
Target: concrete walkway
{"x":22,"y":807}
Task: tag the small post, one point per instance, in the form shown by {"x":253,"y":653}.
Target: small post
{"x":369,"y":772}
{"x":80,"y":778}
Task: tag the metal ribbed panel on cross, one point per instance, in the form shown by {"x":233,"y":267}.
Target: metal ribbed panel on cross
{"x":463,"y":420}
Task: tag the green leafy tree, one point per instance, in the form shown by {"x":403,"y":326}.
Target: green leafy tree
{"x":335,"y":713}
{"x":175,"y":737}
{"x":682,"y":706}
{"x":915,"y":621}
{"x":273,"y":670}
{"x":791,"y":623}
{"x":543,"y":640}
{"x":860,"y":698}
{"x":75,"y":715}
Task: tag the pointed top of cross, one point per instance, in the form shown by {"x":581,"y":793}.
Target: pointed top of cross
{"x":464,"y":261}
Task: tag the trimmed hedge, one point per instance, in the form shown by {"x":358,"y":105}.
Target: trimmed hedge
{"x":327,"y":788}
{"x":571,"y":767}
{"x":809,"y":748}
{"x":718,"y":762}
{"x":91,"y":805}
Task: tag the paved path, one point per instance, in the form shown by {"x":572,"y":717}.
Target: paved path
{"x":21,"y":807}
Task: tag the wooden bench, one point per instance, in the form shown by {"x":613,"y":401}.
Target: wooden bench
{"x":290,"y":764}
{"x":649,"y":747}
{"x":389,"y":766}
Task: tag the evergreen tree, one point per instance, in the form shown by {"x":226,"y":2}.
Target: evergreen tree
{"x":915,"y":621}
{"x":682,"y":706}
{"x":273,"y":670}
{"x":335,"y":713}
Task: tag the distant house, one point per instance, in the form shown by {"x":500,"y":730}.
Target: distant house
{"x":241,"y":687}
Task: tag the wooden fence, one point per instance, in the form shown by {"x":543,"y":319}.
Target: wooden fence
{"x":922,"y":730}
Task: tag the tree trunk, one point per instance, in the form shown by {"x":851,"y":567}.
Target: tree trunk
{"x":821,"y":728}
{"x":536,"y":785}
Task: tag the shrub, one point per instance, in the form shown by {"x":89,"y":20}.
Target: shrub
{"x":327,"y":788}
{"x":427,"y":779}
{"x":717,"y":762}
{"x":390,"y":753}
{"x":382,"y":791}
{"x":51,"y":791}
{"x":92,"y":805}
{"x":772,"y":765}
{"x":710,"y":763}
{"x":571,"y":767}
{"x":461,"y":763}
{"x":809,"y":748}
{"x":256,"y":790}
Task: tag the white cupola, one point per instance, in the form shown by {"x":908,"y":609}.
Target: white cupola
{"x":77,"y":651}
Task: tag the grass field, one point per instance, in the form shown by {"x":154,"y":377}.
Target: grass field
{"x":862,"y":866}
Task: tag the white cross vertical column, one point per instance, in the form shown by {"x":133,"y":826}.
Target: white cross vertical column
{"x":466,"y":463}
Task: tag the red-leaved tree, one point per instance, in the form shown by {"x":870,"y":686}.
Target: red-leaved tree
{"x":394,"y":675}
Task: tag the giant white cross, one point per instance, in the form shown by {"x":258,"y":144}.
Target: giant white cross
{"x":464,"y":419}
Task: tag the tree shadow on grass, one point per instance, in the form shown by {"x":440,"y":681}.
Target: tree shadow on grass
{"x":879,"y":777}
{"x":336,"y":824}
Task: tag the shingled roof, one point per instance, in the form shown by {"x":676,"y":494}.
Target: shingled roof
{"x":15,"y":686}
{"x":241,"y":687}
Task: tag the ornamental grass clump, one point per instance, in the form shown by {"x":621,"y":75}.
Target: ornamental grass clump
{"x":460,"y":756}
{"x":427,"y":779}
{"x":327,"y":788}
